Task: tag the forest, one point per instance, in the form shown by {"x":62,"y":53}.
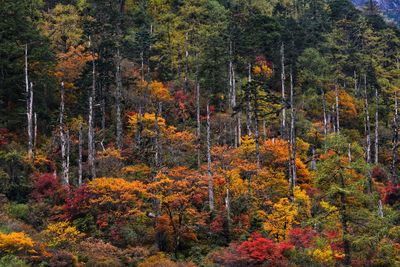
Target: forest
{"x":199,"y":133}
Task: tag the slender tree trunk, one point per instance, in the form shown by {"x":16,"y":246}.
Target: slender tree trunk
{"x":29,"y":106}
{"x":367,"y":121}
{"x":349,"y":153}
{"x":293,"y":133}
{"x":35,"y":136}
{"x":325,"y":118}
{"x":257,"y":137}
{"x":186,"y":60}
{"x":337,"y":108}
{"x":395,"y":140}
{"x":248,"y":106}
{"x":91,"y":149}
{"x":198,"y":129}
{"x":283,"y":76}
{"x":91,"y":141}
{"x":376,"y":127}
{"x":80,"y":144}
{"x":210,"y":178}
{"x":158,"y":137}
{"x":118,"y":101}
{"x":380,"y":208}
{"x":313,"y":161}
{"x":65,"y":173}
{"x":68,"y":150}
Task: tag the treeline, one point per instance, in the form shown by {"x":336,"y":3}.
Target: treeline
{"x":198,"y":133}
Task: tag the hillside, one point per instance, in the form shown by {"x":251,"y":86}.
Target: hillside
{"x":199,"y":133}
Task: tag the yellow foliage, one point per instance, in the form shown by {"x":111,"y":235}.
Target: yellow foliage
{"x":138,"y":170}
{"x":158,"y":260}
{"x":347,"y":104}
{"x":159,"y":92}
{"x":248,"y":146}
{"x":148,"y":122}
{"x":61,"y":234}
{"x":114,"y":190}
{"x":279,"y":222}
{"x":323,"y":256}
{"x":110,"y":153}
{"x":303,"y":202}
{"x":15,"y":242}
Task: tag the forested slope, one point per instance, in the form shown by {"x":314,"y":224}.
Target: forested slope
{"x":198,"y":133}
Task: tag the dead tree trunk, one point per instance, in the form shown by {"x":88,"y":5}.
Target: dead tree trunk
{"x":80,"y":144}
{"x":293,"y":135}
{"x":210,"y":178}
{"x":34,"y":135}
{"x":29,"y":106}
{"x":395,"y":141}
{"x":65,"y":172}
{"x":186,"y":60}
{"x":376,"y":127}
{"x":337,"y":108}
{"x":325,"y":118}
{"x":118,"y":97}
{"x":283,"y":125}
{"x":198,"y":129}
{"x":248,"y":106}
{"x":91,"y":149}
{"x":367,"y":121}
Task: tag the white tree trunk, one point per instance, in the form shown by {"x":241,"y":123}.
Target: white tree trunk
{"x":337,"y":109}
{"x":198,"y":128}
{"x":283,"y":125}
{"x":376,"y":127}
{"x":91,"y":150}
{"x":248,"y":106}
{"x":118,"y":102}
{"x":29,"y":106}
{"x":367,"y":122}
{"x":80,"y":144}
{"x":64,"y":164}
{"x":210,"y":178}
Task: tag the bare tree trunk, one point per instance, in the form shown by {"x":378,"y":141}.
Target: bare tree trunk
{"x":395,"y":140}
{"x":293,"y":132}
{"x":158,"y":137}
{"x":376,"y":127}
{"x":313,"y":161}
{"x":91,"y":150}
{"x":367,"y":121}
{"x":198,"y":129}
{"x":257,"y":138}
{"x":283,"y":125}
{"x":65,"y":173}
{"x":248,"y":107}
{"x":80,"y":144}
{"x":210,"y":178}
{"x":29,"y":106}
{"x":239,"y":128}
{"x":118,"y":101}
{"x":186,"y":60}
{"x":35,"y":136}
{"x":68,"y":150}
{"x":91,"y":141}
{"x":349,"y":153}
{"x":337,"y":108}
{"x":380,"y":209}
{"x":325,"y":118}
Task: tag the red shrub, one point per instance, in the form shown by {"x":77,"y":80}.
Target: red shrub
{"x":47,"y":187}
{"x":302,"y":237}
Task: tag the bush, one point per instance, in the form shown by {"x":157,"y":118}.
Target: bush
{"x":62,"y":259}
{"x":15,"y":242}
{"x":19,"y":211}
{"x":12,"y":261}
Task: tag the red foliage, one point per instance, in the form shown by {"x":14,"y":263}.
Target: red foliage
{"x":261,"y":249}
{"x":391,"y":194}
{"x":217,"y":224}
{"x":5,"y":136}
{"x":47,"y":187}
{"x":379,"y":174}
{"x":302,"y":237}
{"x":75,"y":200}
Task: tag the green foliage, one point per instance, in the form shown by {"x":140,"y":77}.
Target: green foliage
{"x":12,"y":261}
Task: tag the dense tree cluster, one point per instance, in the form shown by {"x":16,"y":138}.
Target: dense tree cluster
{"x":198,"y":133}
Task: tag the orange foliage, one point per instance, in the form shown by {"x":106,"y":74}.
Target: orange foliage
{"x":71,"y":64}
{"x":347,"y":104}
{"x":15,"y":242}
